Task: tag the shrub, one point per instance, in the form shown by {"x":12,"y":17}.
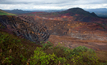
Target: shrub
{"x":12,"y":51}
{"x":79,"y":56}
{"x":79,"y":49}
{"x":41,"y":58}
{"x":47,"y":45}
{"x":84,"y":56}
{"x":62,"y":52}
{"x":85,"y":59}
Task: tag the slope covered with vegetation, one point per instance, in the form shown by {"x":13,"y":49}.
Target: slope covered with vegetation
{"x":17,"y":51}
{"x":5,"y":13}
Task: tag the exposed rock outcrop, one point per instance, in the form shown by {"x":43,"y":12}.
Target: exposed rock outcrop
{"x":26,"y":27}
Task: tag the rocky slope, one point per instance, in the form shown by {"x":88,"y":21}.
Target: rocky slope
{"x":74,"y":22}
{"x":75,"y":30}
{"x":25,"y":26}
{"x":80,"y":28}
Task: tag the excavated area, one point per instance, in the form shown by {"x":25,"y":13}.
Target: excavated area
{"x":71,"y":33}
{"x":70,"y":42}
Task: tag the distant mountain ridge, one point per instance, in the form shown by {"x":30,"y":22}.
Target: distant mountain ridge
{"x":80,"y":11}
{"x":5,"y":13}
{"x":17,"y":11}
{"x":102,"y":12}
{"x":97,"y":10}
{"x":80,"y":15}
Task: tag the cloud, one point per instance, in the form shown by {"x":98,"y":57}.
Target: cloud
{"x":51,"y":4}
{"x":38,"y":1}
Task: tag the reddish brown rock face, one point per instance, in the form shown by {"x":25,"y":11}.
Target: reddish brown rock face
{"x":76,"y":30}
{"x":26,"y":27}
{"x":70,"y":28}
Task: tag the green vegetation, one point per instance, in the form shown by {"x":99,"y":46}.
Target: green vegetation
{"x":11,"y":50}
{"x":41,"y":58}
{"x":15,"y":51}
{"x":1,"y":26}
{"x":5,"y":13}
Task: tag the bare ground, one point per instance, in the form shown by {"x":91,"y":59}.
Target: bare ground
{"x":70,"y":42}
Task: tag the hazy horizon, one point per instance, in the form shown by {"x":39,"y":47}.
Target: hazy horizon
{"x":52,"y":9}
{"x":51,"y":5}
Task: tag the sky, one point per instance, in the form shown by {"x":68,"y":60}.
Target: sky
{"x":51,"y":4}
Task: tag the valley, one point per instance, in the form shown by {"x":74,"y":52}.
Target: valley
{"x":71,"y":34}
{"x":74,"y":27}
{"x":73,"y":30}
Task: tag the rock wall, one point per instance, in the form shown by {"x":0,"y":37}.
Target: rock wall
{"x":26,"y":27}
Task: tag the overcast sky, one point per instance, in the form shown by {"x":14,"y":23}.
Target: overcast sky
{"x":51,"y":4}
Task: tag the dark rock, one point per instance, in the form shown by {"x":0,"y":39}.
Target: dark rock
{"x":25,"y":26}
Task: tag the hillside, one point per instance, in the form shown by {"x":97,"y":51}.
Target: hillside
{"x":5,"y":13}
{"x":26,"y":27}
{"x":78,"y":11}
{"x":16,"y":11}
{"x":78,"y":14}
{"x":15,"y":50}
{"x":74,"y":30}
{"x":81,"y":28}
{"x":76,"y":33}
{"x":89,"y":31}
{"x":74,"y":36}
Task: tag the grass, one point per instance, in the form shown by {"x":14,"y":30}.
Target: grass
{"x":16,"y":51}
{"x":5,"y":13}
